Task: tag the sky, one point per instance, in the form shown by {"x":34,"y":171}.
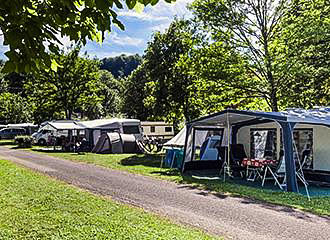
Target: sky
{"x":139,"y":28}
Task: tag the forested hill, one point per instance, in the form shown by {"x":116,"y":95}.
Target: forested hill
{"x":121,"y":66}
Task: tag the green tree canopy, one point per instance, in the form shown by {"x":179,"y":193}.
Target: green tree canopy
{"x":304,"y":46}
{"x":73,"y":87}
{"x":14,"y":109}
{"x":249,"y":27}
{"x":168,"y":87}
{"x":29,"y":26}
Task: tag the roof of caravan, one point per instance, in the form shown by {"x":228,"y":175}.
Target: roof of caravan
{"x":63,"y":126}
{"x":22,"y":125}
{"x":319,"y":116}
{"x":113,"y":122}
{"x":155,"y":123}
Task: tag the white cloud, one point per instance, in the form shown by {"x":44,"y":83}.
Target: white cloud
{"x":162,"y":11}
{"x":141,"y":16}
{"x":161,"y":27}
{"x":3,"y":48}
{"x":123,"y":40}
{"x":177,"y":8}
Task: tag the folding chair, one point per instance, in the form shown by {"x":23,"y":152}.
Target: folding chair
{"x":237,"y":155}
{"x":276,"y":171}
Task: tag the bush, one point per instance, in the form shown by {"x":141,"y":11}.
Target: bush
{"x":23,"y":141}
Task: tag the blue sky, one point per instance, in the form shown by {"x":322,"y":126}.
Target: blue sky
{"x":139,"y":28}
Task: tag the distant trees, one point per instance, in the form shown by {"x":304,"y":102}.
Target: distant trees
{"x":121,"y":66}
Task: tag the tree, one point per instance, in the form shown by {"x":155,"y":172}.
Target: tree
{"x":111,"y":92}
{"x":121,"y":66}
{"x":135,"y":94}
{"x":219,"y":79}
{"x":248,"y":26}
{"x":167,"y":87}
{"x":73,"y":87}
{"x":304,"y":44}
{"x":28,"y":25}
{"x":14,"y":109}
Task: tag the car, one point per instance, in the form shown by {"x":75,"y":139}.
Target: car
{"x":11,"y":133}
{"x":41,"y":136}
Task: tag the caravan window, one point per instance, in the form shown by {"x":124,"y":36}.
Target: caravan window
{"x":168,"y":129}
{"x":263,"y":143}
{"x":131,"y":129}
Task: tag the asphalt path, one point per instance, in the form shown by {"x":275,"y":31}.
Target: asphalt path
{"x":231,"y":217}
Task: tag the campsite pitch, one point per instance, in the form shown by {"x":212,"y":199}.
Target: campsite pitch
{"x":220,"y":214}
{"x":148,"y":165}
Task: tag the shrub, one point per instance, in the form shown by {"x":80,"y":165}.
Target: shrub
{"x":23,"y":141}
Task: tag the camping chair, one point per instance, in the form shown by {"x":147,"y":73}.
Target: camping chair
{"x":222,"y":157}
{"x":237,"y":154}
{"x":304,"y":157}
{"x":276,"y":171}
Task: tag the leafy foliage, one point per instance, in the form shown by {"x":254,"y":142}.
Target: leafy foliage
{"x":134,"y":94}
{"x":23,"y":141}
{"x":304,"y":45}
{"x":74,"y":86}
{"x":28,"y":25}
{"x":14,"y":108}
{"x":249,"y":27}
{"x":168,"y":87}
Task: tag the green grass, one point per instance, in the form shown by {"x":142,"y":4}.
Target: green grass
{"x":33,"y":206}
{"x":149,"y":165}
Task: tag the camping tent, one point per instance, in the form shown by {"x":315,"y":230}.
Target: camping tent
{"x":95,"y":128}
{"x":239,"y":124}
{"x":114,"y":142}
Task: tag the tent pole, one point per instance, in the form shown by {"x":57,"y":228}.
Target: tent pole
{"x":227,"y":166}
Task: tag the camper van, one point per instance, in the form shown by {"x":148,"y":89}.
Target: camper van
{"x":159,"y":130}
{"x":51,"y":129}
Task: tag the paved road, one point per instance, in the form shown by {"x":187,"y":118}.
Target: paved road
{"x":234,"y":218}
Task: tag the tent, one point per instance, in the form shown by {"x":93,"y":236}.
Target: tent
{"x":241,"y":124}
{"x":114,"y":142}
{"x":95,"y":128}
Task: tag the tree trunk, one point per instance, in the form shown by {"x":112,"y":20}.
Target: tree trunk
{"x":273,"y":101}
{"x":68,"y":114}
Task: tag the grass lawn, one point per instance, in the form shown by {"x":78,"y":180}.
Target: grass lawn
{"x":33,"y":206}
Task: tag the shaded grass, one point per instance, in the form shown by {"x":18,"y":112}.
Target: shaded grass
{"x":7,"y":142}
{"x":33,"y":206}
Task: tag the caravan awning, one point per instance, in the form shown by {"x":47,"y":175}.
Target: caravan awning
{"x":320,"y":116}
{"x":63,"y":126}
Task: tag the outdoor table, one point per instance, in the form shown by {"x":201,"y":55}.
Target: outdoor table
{"x":254,"y":167}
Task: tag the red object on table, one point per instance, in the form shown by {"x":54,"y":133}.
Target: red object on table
{"x":257,"y":162}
